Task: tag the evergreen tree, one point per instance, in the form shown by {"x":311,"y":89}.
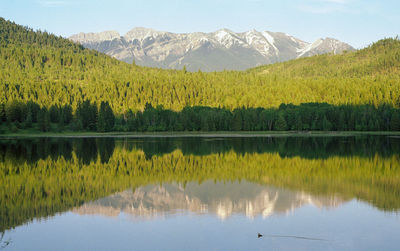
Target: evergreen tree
{"x":16,"y":111}
{"x":28,"y":120}
{"x":342,"y":125}
{"x":106,"y":119}
{"x":131,"y":121}
{"x":280,"y":123}
{"x":267,"y":118}
{"x":395,"y":121}
{"x":54,"y":114}
{"x":34,"y":109}
{"x":298,"y":123}
{"x":86,"y":115}
{"x":101,"y":122}
{"x":3,"y":116}
{"x":237,"y":120}
{"x":66,"y":114}
{"x":326,"y":124}
{"x":43,"y":120}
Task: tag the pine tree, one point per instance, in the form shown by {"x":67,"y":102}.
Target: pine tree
{"x":280,"y":123}
{"x":326,"y":124}
{"x":101,"y":121}
{"x":54,"y":114}
{"x":395,"y":121}
{"x":16,"y":111}
{"x":43,"y":120}
{"x":237,"y":120}
{"x":109,"y":117}
{"x":3,"y":116}
{"x":28,"y":120}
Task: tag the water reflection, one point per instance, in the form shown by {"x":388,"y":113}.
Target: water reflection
{"x":215,"y":198}
{"x":88,"y":149}
{"x":251,"y":176}
{"x":4,"y":243}
{"x":32,"y":150}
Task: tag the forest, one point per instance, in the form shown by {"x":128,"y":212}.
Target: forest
{"x":49,"y":83}
{"x":88,"y":116}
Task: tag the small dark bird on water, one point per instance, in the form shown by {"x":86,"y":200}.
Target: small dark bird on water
{"x":259,"y":235}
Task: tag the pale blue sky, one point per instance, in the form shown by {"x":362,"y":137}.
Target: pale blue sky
{"x":358,"y":22}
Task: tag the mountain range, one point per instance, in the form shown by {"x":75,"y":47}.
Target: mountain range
{"x":215,"y":51}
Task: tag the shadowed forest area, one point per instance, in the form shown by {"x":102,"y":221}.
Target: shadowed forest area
{"x":305,"y":117}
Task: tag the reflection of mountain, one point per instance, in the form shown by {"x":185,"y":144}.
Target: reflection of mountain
{"x":33,"y":190}
{"x":221,"y":199}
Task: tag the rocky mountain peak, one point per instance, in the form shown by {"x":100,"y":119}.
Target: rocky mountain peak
{"x":215,"y":51}
{"x":141,"y":33}
{"x":324,"y":45}
{"x":95,"y":37}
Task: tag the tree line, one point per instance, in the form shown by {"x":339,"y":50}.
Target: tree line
{"x":288,"y":117}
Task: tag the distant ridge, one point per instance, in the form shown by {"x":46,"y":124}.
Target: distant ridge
{"x":215,"y":51}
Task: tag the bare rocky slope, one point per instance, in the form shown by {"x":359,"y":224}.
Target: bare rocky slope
{"x":223,"y":49}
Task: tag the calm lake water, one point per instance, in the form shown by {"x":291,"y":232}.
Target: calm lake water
{"x":300,"y":193}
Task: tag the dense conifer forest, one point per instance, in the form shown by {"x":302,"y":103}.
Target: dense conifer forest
{"x":310,"y":116}
{"x":50,"y":83}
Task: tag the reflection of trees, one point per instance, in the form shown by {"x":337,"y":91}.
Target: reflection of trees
{"x":106,"y":148}
{"x":42,"y":188}
{"x":32,"y":150}
{"x":306,"y":147}
{"x":88,"y":149}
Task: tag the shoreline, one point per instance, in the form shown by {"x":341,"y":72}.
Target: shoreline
{"x":223,"y":134}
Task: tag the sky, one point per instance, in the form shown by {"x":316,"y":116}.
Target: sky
{"x":357,"y":22}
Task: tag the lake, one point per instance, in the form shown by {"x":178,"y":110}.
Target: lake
{"x":200,"y":193}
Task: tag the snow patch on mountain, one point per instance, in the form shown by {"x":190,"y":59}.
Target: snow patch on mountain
{"x":271,"y":41}
{"x":309,"y":47}
{"x":221,"y":35}
{"x":227,"y":38}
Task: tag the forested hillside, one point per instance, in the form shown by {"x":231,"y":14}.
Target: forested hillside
{"x":64,"y":79}
{"x":377,"y":60}
{"x":51,"y":70}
